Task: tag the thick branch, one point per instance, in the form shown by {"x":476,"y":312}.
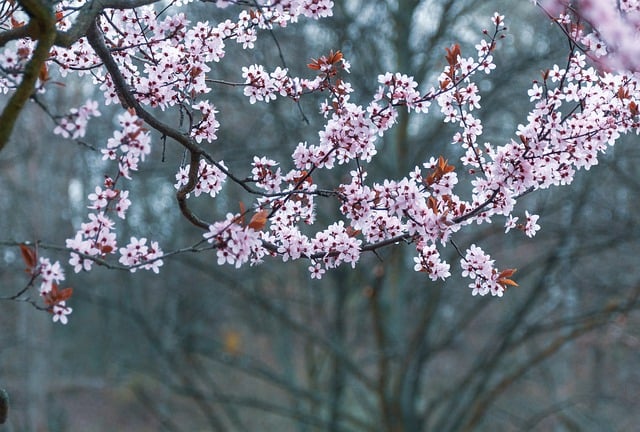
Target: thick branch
{"x":42,"y":19}
{"x":13,"y":34}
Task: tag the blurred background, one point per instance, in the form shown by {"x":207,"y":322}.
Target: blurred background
{"x":379,"y":348}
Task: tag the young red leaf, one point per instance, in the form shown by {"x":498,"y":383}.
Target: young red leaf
{"x":55,"y":296}
{"x":44,"y":73}
{"x":504,"y":278}
{"x":15,"y":23}
{"x":243,"y":211}
{"x":452,"y":54}
{"x":259,"y":220}
{"x":29,"y":257}
{"x":353,"y":232}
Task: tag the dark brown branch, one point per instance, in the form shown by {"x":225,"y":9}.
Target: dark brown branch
{"x":182,"y":193}
{"x":42,"y":22}
{"x":13,"y":34}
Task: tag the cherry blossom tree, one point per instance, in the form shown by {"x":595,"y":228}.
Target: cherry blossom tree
{"x":150,"y":59}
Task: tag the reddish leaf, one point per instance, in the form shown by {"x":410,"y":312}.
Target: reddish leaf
{"x":315,"y":64}
{"x":29,"y":257}
{"x":44,"y":73}
{"x":55,"y":296}
{"x":15,"y":23}
{"x":333,"y":58}
{"x":432,"y":203}
{"x":303,"y":177}
{"x":452,"y":55}
{"x":243,"y":211}
{"x":441,"y":169}
{"x":259,"y":220}
{"x":353,"y":232}
{"x":505,"y":282}
{"x":504,"y":278}
{"x":623,"y":93}
{"x":65,"y":294}
{"x":507,"y":273}
{"x":105,"y":249}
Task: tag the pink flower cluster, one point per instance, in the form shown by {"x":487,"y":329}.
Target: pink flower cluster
{"x":478,"y":266}
{"x":51,"y":275}
{"x":266,"y":175}
{"x":264,"y":86}
{"x":235,"y":244}
{"x":428,"y":261}
{"x":400,"y":89}
{"x":207,"y":127}
{"x":180,"y":56}
{"x":13,"y":61}
{"x":96,"y":237}
{"x":128,"y":146}
{"x":421,"y":206}
{"x":74,"y":124}
{"x":210,"y":178}
{"x":137,"y":254}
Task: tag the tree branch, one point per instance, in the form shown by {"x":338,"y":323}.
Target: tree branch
{"x":42,"y":22}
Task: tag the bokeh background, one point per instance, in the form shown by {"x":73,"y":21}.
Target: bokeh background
{"x":379,"y":348}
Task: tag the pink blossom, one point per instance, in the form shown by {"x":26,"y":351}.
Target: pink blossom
{"x":137,"y":254}
{"x":74,"y":125}
{"x":531,"y":226}
{"x":428,"y":261}
{"x":510,"y":223}
{"x":60,"y":312}
{"x":210,"y":178}
{"x":123,"y":203}
{"x":478,"y":267}
{"x":50,"y":274}
{"x":208,"y":126}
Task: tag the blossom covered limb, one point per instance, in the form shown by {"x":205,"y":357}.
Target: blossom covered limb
{"x":48,"y":275}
